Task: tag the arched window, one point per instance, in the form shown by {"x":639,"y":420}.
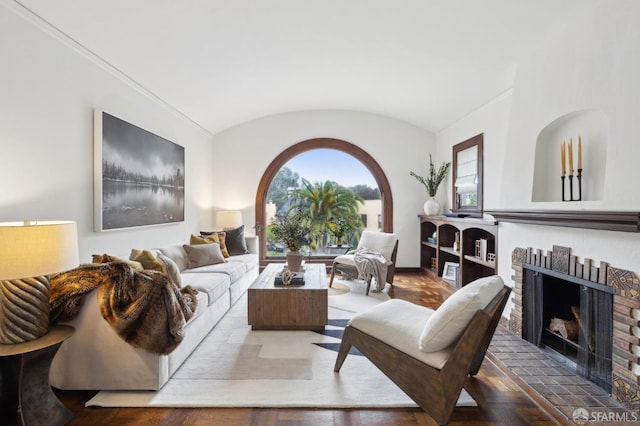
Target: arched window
{"x":340,"y":145}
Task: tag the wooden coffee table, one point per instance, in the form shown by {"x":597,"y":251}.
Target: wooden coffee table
{"x":295,"y":307}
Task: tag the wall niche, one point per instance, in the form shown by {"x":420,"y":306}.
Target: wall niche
{"x":593,"y":126}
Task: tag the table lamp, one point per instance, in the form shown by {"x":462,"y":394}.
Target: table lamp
{"x":228,"y":219}
{"x":30,"y":250}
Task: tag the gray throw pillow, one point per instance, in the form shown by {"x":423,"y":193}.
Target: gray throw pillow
{"x":203,"y":254}
{"x":170,"y":268}
{"x":235,"y":241}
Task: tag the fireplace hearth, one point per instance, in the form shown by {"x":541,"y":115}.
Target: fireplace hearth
{"x":599,"y":302}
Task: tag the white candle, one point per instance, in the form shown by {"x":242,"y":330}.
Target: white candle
{"x":571,"y":157}
{"x":579,"y":152}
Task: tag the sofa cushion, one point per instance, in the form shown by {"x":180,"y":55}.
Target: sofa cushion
{"x":235,"y":242}
{"x":213,"y":238}
{"x":399,"y":323}
{"x":448,"y":322}
{"x":203,"y":304}
{"x":203,"y":254}
{"x":234,"y":270}
{"x":147,"y":258}
{"x":177,"y":254}
{"x":250,"y":260}
{"x":170,"y":268}
{"x":213,"y":285}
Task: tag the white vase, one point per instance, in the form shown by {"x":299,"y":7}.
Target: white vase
{"x":432,"y":207}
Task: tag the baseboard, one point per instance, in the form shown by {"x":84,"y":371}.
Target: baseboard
{"x":407,"y":269}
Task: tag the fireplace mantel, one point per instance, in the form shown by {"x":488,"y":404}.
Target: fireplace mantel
{"x":625,"y":221}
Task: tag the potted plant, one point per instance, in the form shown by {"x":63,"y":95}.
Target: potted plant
{"x":431,"y":183}
{"x":338,"y":227}
{"x":293,"y":230}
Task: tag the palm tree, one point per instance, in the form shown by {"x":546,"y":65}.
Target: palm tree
{"x":326,"y":201}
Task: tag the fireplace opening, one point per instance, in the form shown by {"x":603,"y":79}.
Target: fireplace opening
{"x":572,"y":317}
{"x":560,"y":317}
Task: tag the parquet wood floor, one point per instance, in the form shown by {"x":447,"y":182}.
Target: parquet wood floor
{"x":501,"y":401}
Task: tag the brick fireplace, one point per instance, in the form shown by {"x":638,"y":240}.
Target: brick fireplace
{"x":624,"y":288}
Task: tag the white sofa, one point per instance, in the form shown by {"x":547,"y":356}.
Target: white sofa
{"x":96,"y":358}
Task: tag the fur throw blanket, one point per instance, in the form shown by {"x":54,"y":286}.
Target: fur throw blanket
{"x":145,"y":308}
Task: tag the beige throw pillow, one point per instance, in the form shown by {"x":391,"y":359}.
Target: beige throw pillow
{"x":203,"y":254}
{"x":147,"y":259}
{"x":448,"y":322}
{"x":216,"y":237}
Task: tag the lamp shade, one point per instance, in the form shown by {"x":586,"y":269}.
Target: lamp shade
{"x":228,"y":219}
{"x":30,"y":249}
{"x":28,"y":252}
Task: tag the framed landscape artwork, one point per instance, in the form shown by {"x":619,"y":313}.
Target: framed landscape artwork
{"x":138,"y":176}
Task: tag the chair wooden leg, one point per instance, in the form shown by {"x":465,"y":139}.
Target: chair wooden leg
{"x":333,"y":272}
{"x":345,"y":347}
{"x":368,"y":285}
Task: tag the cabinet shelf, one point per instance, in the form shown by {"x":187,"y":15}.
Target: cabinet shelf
{"x":450,"y":250}
{"x":434,"y":256}
{"x":479,"y":261}
{"x":428,"y":244}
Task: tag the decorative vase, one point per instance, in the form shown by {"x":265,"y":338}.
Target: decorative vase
{"x":339,"y":241}
{"x":294,"y":261}
{"x":432,"y":207}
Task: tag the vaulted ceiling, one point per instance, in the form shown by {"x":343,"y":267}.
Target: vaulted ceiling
{"x":222,"y":63}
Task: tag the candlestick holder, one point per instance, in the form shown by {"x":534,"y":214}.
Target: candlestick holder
{"x":579,"y":185}
{"x":571,"y":187}
{"x":571,"y":198}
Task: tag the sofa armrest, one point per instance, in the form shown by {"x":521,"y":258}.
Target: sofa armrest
{"x":252,"y":243}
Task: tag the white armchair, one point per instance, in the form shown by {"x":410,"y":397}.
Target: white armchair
{"x":427,"y":353}
{"x":381,"y":242}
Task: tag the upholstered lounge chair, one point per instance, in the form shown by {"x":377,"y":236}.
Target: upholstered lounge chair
{"x":382,"y":242}
{"x":427,"y":353}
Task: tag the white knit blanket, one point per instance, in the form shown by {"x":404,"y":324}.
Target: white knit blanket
{"x":371,"y":264}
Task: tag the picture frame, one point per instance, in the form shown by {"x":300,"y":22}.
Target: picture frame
{"x":139,"y":177}
{"x":450,"y":272}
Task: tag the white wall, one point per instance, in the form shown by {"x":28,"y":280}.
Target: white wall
{"x":593,"y":64}
{"x":49,"y":89}
{"x":493,"y":121}
{"x":244,"y":152}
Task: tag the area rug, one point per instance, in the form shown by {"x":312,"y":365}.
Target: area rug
{"x":235,"y":366}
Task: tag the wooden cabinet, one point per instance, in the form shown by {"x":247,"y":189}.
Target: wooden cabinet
{"x":469,"y":243}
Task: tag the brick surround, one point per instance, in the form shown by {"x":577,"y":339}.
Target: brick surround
{"x":626,"y":284}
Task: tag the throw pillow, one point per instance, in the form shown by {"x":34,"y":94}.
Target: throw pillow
{"x":216,"y":237}
{"x":448,"y":322}
{"x":170,"y":268}
{"x":147,"y":259}
{"x":235,"y":241}
{"x":207,"y":239}
{"x":107,"y":258}
{"x":222,"y":236}
{"x":203,"y":254}
{"x":380,"y":242}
